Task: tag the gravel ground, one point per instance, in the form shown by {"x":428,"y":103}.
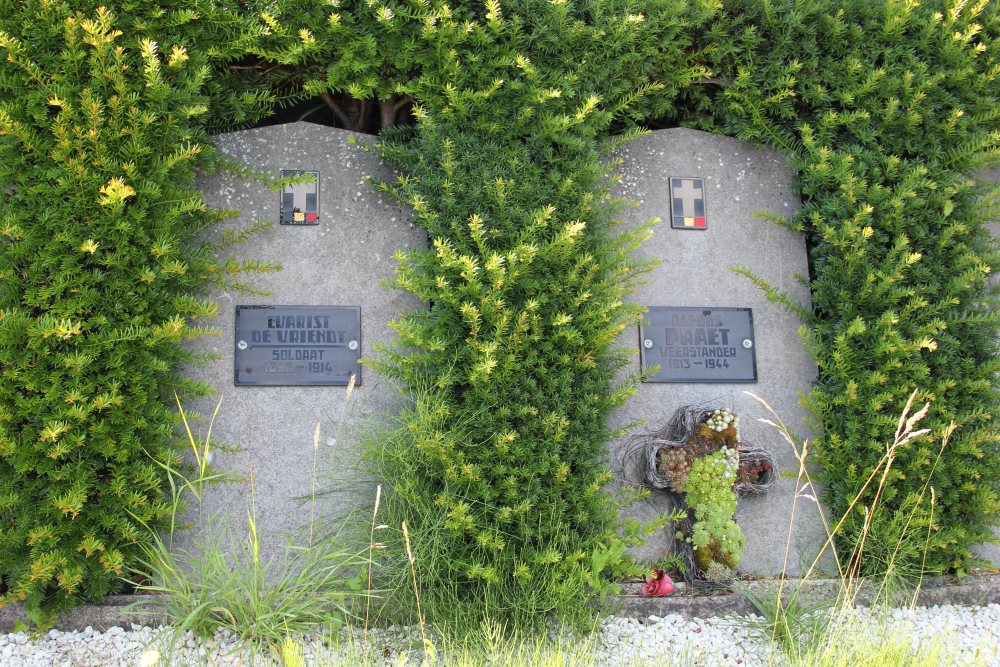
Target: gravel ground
{"x":971,"y":633}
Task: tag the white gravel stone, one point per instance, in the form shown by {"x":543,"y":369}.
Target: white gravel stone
{"x":972,"y":633}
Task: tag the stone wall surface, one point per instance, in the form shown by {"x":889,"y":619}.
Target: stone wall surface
{"x":740,"y":182}
{"x":337,"y":263}
{"x":991,"y":552}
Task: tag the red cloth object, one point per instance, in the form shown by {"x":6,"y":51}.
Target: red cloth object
{"x":658,"y":585}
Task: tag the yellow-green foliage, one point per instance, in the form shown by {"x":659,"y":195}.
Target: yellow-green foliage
{"x":886,"y":110}
{"x":98,"y":267}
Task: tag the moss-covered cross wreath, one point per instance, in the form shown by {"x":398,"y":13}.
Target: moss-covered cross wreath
{"x":700,"y":457}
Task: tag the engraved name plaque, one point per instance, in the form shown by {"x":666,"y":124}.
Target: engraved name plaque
{"x":699,"y":344}
{"x":297,"y":345}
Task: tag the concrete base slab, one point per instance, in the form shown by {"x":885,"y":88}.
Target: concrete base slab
{"x":690,"y":603}
{"x":116,"y":611}
{"x":975,"y":590}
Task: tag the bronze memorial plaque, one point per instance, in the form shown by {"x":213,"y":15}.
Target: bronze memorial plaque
{"x":297,"y":345}
{"x":698,"y":344}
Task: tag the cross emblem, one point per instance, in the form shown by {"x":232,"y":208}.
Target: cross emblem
{"x":300,"y":201}
{"x":687,"y":203}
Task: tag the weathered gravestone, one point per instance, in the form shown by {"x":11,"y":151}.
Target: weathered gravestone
{"x":712,"y":332}
{"x":287,"y":357}
{"x":992,"y":551}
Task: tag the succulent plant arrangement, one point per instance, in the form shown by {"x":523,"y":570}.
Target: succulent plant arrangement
{"x":719,"y":430}
{"x":723,"y":420}
{"x":705,"y":467}
{"x":715,"y":536}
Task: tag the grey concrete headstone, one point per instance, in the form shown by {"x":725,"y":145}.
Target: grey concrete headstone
{"x":991,"y":551}
{"x":740,"y":180}
{"x":336,"y":263}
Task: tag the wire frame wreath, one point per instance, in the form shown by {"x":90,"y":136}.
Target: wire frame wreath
{"x":666,"y":462}
{"x":757,"y":470}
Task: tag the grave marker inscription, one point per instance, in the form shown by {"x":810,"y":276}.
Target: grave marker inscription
{"x":297,"y":345}
{"x":699,"y":344}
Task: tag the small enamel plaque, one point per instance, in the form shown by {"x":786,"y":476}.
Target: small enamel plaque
{"x":300,"y":201}
{"x":687,"y":203}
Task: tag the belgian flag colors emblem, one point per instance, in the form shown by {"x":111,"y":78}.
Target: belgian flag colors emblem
{"x":300,"y":201}
{"x":687,"y":203}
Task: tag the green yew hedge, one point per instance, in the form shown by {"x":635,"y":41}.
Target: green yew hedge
{"x":885,"y":109}
{"x":886,"y":112}
{"x":100,"y":272}
{"x":528,"y":277}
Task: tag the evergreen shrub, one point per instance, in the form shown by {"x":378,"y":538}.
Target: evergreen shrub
{"x":100,"y":268}
{"x":886,"y":110}
{"x":528,"y":278}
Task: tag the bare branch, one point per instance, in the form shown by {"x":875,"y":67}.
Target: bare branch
{"x":335,"y":108}
{"x":402,"y":102}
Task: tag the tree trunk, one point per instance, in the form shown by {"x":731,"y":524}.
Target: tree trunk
{"x":389,"y":109}
{"x":354,"y":117}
